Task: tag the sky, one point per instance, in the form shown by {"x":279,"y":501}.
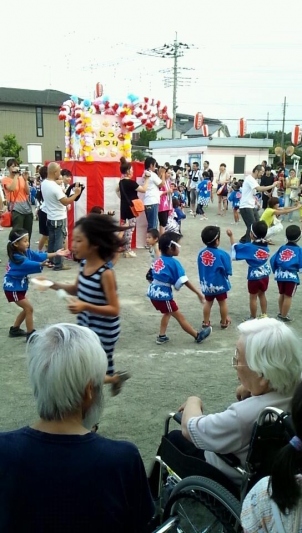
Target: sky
{"x":244,"y":57}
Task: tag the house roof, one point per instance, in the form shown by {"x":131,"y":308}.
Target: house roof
{"x":46,"y":98}
{"x":201,"y":142}
{"x":212,"y":126}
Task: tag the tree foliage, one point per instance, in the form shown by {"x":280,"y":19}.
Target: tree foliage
{"x":10,"y":147}
{"x":145,"y":137}
{"x":277,"y":138}
{"x":138,"y":155}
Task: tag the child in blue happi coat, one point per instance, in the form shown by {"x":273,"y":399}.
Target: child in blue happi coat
{"x":21,"y":262}
{"x":167,"y":272}
{"x":256,"y":254}
{"x":214,"y":268}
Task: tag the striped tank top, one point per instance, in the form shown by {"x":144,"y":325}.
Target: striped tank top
{"x":90,"y":290}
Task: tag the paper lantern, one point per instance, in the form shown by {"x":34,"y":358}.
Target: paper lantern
{"x":198,"y":121}
{"x":169,"y":123}
{"x":242,"y":127}
{"x":205,"y":130}
{"x":98,"y":90}
{"x":296,"y":134}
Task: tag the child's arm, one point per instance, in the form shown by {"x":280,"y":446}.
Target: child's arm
{"x":180,"y":213}
{"x":198,"y":293}
{"x":286,"y":210}
{"x":60,"y":252}
{"x":111,"y":309}
{"x":156,"y":250}
{"x":231,"y":236}
{"x":71,"y":289}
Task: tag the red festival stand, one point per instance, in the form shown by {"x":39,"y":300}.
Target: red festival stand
{"x":101,"y":180}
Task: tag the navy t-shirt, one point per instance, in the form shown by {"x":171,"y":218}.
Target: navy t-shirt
{"x":71,"y":483}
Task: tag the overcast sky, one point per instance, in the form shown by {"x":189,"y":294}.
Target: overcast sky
{"x":246,"y":54}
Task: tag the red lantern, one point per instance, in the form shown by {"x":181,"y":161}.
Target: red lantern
{"x":242,"y":127}
{"x":98,"y":89}
{"x":296,"y":134}
{"x":205,"y":130}
{"x":169,"y":123}
{"x":198,"y":121}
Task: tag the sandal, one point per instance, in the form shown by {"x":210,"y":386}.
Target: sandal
{"x":226,"y":324}
{"x":206,"y":324}
{"x":117,"y":386}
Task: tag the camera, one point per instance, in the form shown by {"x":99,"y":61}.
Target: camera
{"x":16,"y":171}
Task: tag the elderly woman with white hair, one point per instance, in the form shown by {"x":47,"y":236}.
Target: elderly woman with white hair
{"x":268,"y":363}
{"x":56,"y":475}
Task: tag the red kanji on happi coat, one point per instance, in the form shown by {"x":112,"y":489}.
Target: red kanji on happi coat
{"x":287,"y":254}
{"x":158,"y":265}
{"x":207,"y":258}
{"x":261,"y":254}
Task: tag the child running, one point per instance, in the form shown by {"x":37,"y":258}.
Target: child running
{"x":21,"y":262}
{"x":168,"y":272}
{"x":256,"y":254}
{"x":95,"y":242}
{"x":152,"y":242}
{"x":214,"y":268}
{"x":234,"y":199}
{"x":286,"y":264}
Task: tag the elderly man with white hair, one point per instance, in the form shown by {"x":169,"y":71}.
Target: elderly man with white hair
{"x":57,"y":475}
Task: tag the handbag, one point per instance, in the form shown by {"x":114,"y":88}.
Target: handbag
{"x":137,"y":206}
{"x":6,"y":219}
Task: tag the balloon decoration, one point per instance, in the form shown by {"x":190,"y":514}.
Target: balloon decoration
{"x":198,"y":121}
{"x":205,"y":130}
{"x":296,"y":134}
{"x":101,"y":130}
{"x":241,"y":127}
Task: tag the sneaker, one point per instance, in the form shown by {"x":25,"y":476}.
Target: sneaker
{"x":29,"y":335}
{"x":263,"y":315}
{"x":64,"y":267}
{"x":117,"y":387}
{"x":206,"y":324}
{"x":132,"y":253}
{"x":226,"y":324}
{"x":284,"y":318}
{"x":16,"y":332}
{"x":203,"y":334}
{"x":161,"y":339}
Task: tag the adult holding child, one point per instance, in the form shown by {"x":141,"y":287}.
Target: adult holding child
{"x":127,"y":190}
{"x":222,"y":189}
{"x":16,"y":189}
{"x":165,"y":203}
{"x":152,"y":194}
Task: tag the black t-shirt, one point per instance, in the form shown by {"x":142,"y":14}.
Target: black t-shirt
{"x":128,"y":193}
{"x":267,"y":180}
{"x":71,"y":484}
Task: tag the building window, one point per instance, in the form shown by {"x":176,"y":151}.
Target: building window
{"x":239,"y":164}
{"x":39,"y":122}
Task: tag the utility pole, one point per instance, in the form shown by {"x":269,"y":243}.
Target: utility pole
{"x":175,"y":50}
{"x":267,"y":123}
{"x":283,"y":127}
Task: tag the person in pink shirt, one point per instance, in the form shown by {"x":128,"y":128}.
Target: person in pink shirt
{"x":165,"y":204}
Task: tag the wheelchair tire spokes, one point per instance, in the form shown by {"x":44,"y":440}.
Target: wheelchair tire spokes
{"x":203,"y":506}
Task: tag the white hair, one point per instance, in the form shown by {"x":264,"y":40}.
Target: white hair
{"x":273,"y":350}
{"x":62,"y":360}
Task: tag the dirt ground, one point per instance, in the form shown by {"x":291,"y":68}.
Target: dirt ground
{"x":162,"y":376}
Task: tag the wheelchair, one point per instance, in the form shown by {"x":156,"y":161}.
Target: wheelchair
{"x":188,"y":502}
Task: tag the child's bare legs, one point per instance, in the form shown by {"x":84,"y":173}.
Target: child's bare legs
{"x":253,"y":305}
{"x":26,"y":314}
{"x":280,"y":302}
{"x":223,"y":307}
{"x":164,"y":324}
{"x":224,"y":205}
{"x":286,"y":305}
{"x":184,"y":324}
{"x":263,"y":302}
{"x":236,"y":215}
{"x":207,"y":311}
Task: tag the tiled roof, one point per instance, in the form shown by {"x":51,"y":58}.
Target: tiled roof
{"x":46,"y":98}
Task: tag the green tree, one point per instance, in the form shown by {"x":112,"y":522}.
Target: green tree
{"x":10,"y":147}
{"x":145,"y":137}
{"x":138,"y":155}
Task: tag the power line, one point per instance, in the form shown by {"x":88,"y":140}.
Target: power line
{"x":175,"y":51}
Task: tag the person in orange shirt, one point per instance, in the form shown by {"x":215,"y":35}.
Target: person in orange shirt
{"x":16,"y":190}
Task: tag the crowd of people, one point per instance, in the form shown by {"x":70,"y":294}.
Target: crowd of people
{"x":68,"y":364}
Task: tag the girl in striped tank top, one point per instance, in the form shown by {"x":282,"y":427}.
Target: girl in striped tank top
{"x":96,"y":242}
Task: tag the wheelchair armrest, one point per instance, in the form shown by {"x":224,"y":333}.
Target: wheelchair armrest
{"x":230,"y":459}
{"x":177,"y":417}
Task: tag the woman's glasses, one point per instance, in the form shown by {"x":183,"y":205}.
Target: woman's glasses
{"x":235,"y":360}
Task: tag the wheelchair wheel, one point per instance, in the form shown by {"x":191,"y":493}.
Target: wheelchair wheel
{"x":202,"y":505}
